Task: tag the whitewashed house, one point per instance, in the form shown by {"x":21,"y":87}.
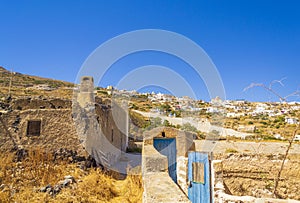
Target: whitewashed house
{"x":291,"y":121}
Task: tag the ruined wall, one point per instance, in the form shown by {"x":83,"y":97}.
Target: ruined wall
{"x":113,"y":122}
{"x":221,"y":192}
{"x":57,"y":129}
{"x":101,"y":128}
{"x":40,"y":103}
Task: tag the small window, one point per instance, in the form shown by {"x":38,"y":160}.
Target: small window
{"x":34,"y":128}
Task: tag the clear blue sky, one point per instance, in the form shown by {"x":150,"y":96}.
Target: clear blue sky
{"x":249,"y":41}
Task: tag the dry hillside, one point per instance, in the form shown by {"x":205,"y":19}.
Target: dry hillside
{"x":26,"y":85}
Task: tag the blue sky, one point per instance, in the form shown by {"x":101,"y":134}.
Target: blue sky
{"x":248,"y":41}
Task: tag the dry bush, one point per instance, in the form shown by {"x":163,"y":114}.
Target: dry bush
{"x":130,"y":190}
{"x":23,"y":180}
{"x":99,"y":187}
{"x":96,"y":186}
{"x":39,"y":168}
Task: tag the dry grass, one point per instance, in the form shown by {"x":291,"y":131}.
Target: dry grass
{"x":23,"y":92}
{"x":23,"y":180}
{"x":246,"y":174}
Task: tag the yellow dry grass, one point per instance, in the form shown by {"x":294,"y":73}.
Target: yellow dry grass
{"x":21,"y":181}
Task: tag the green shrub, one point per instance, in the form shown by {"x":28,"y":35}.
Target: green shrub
{"x":188,"y":127}
{"x":230,"y":150}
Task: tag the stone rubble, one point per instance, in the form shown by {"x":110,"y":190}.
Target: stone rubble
{"x":54,"y":190}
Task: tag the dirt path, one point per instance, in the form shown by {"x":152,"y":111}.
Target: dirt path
{"x":250,"y":147}
{"x":203,"y":126}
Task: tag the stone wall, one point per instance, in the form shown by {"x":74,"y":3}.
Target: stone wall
{"x":221,"y":192}
{"x":184,"y":143}
{"x":113,"y":122}
{"x":158,"y":185}
{"x":101,"y":127}
{"x":40,"y":103}
{"x":155,"y":167}
{"x":57,"y":129}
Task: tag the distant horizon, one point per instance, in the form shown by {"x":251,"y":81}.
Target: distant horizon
{"x":156,"y":91}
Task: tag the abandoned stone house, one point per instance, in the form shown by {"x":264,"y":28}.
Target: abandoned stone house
{"x":54,"y":123}
{"x":36,"y":122}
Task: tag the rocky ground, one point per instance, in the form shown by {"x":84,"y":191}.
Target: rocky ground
{"x":252,"y":171}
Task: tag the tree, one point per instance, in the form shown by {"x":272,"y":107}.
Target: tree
{"x":165,"y":108}
{"x":166,"y":123}
{"x":188,"y":127}
{"x":155,"y":122}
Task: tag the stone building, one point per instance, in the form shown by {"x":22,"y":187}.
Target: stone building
{"x":38,"y":122}
{"x":84,"y":125}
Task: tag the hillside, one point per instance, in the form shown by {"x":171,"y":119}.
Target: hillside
{"x":27,"y":85}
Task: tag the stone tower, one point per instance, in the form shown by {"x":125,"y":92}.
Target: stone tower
{"x":86,"y":91}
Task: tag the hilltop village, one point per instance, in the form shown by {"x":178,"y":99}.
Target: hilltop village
{"x":261,"y":120}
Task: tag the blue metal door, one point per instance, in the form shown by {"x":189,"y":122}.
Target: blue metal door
{"x":167,"y":147}
{"x":199,"y":177}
